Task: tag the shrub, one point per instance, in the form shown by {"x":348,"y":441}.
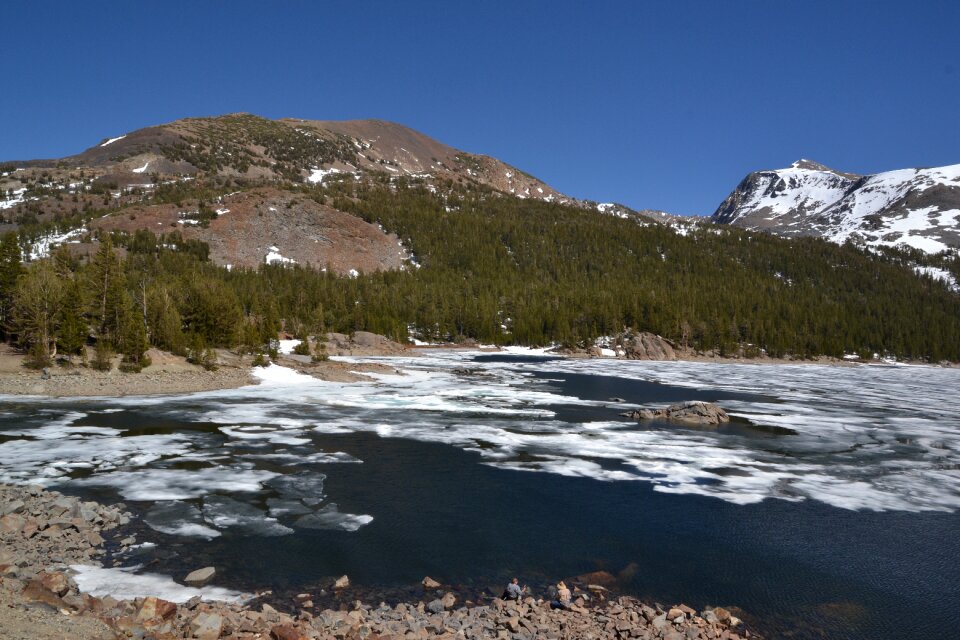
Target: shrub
{"x":302,"y":348}
{"x":321,"y":354}
{"x":102,"y":357}
{"x":38,"y":357}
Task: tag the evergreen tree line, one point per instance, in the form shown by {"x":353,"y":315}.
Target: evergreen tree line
{"x":493,"y":268}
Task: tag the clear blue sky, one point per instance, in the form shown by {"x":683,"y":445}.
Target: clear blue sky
{"x":661,"y":105}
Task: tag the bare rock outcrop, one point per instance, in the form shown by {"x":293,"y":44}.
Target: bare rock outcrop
{"x":361,"y":343}
{"x":648,"y":346}
{"x":693,"y":412}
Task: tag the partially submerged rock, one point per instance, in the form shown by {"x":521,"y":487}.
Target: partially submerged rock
{"x":200,"y":577}
{"x":430,"y":583}
{"x":692,"y":412}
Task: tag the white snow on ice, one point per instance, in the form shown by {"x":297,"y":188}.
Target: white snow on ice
{"x":126,"y":583}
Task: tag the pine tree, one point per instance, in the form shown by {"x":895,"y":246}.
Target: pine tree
{"x":73,"y":332}
{"x":105,"y":288}
{"x":10,"y":270}
{"x":36,"y":305}
{"x":133,"y":338}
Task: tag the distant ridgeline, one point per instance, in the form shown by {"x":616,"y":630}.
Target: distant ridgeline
{"x":442,"y":255}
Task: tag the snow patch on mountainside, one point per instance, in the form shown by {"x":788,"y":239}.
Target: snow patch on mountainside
{"x":919,"y":208}
{"x":112,"y":140}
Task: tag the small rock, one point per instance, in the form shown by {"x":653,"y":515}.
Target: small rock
{"x":430,"y":583}
{"x":342,"y":582}
{"x":436,"y":606}
{"x":722,"y":614}
{"x":448,"y":600}
{"x":200,"y":577}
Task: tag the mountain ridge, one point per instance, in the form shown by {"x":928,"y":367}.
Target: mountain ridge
{"x":919,"y":208}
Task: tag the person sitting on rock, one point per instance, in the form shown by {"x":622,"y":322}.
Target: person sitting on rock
{"x":514,"y":591}
{"x":564,"y":597}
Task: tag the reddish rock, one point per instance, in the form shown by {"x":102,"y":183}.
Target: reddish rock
{"x":54,"y":583}
{"x":36,"y":592}
{"x":286,"y":632}
{"x":12,"y":523}
{"x":722,"y":615}
{"x":156,"y":608}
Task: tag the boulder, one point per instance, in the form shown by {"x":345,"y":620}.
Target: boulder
{"x":206,"y":626}
{"x":448,"y":600}
{"x":436,"y":606}
{"x":286,"y":632}
{"x":430,"y":583}
{"x":68,"y":507}
{"x":36,"y":592}
{"x":156,"y":608}
{"x":692,"y":412}
{"x":200,"y":577}
{"x":648,"y":346}
{"x":11,"y":507}
{"x":12,"y":523}
{"x":54,"y":582}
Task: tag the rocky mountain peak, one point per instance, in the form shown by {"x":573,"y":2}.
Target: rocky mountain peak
{"x":919,"y":208}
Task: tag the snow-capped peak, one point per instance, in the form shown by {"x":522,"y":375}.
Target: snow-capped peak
{"x":916,"y":207}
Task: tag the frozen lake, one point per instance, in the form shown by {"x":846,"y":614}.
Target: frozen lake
{"x":830,"y":497}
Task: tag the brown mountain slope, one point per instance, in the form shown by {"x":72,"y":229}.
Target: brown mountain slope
{"x":269,"y":225}
{"x":248,"y":146}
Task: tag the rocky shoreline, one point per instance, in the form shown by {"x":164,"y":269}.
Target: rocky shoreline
{"x":44,"y":534}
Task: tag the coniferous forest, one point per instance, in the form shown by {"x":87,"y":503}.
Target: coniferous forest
{"x":491,"y":268}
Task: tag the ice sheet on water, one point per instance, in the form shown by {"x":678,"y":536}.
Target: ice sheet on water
{"x":224,"y":512}
{"x":179,"y":484}
{"x":330,"y":517}
{"x":270,"y":433}
{"x":305,"y":486}
{"x":51,"y":458}
{"x":280,"y":508}
{"x":866,"y":437}
{"x":126,"y":583}
{"x":290,"y":459}
{"x":846,"y":420}
{"x":179,"y":519}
